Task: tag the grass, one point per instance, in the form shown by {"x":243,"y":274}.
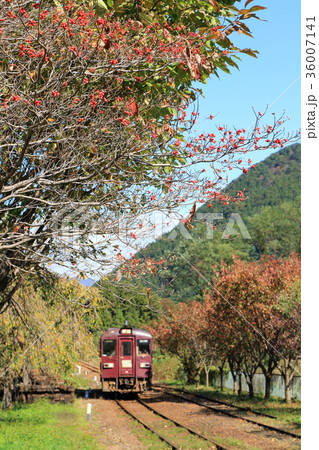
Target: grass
{"x":147,"y":437}
{"x":188,"y":441}
{"x":234,"y":442}
{"x":81,"y":382}
{"x":46,"y":426}
{"x":287,"y":415}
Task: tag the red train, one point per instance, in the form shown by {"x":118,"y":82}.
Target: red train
{"x":126,"y":360}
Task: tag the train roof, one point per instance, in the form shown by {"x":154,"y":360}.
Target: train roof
{"x":110,"y":332}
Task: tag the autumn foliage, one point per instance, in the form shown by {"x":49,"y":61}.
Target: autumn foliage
{"x":250,"y":318}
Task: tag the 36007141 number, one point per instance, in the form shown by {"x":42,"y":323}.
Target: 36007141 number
{"x":310,"y":48}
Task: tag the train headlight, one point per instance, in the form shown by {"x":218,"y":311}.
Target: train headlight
{"x":126,"y":331}
{"x":144,"y":365}
{"x":108,"y":365}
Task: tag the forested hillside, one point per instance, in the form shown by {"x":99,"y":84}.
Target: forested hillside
{"x":273,"y":181}
{"x":270,"y":213}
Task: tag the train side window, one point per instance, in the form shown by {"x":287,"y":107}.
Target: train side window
{"x":109,"y":347}
{"x":126,"y":348}
{"x":143,"y":346}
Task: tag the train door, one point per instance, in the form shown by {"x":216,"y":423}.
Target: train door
{"x":127,"y":357}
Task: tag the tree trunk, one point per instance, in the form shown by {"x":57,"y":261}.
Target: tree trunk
{"x":7,"y":392}
{"x":192,"y":374}
{"x":289,"y":374}
{"x":287,"y":393}
{"x":267,"y":385}
{"x":251,"y":389}
{"x":249,"y":380}
{"x":235,"y":387}
{"x":207,"y":376}
{"x":233,"y":372}
{"x":268,"y":365}
{"x":287,"y":371}
{"x":221,"y":375}
{"x":239,"y":384}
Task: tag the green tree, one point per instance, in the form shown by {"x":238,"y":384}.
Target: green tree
{"x":276,"y":229}
{"x":126,"y":300}
{"x":184,"y":278}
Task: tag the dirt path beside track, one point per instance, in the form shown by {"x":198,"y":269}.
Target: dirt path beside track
{"x":110,"y":426}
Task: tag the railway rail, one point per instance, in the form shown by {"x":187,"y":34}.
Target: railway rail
{"x":241,"y":408}
{"x":219,"y":410}
{"x":123,"y":405}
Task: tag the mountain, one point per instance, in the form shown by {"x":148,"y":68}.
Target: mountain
{"x":273,"y":181}
{"x":270,"y":214}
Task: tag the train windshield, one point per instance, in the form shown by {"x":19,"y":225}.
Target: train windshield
{"x":109,"y":347}
{"x":143,"y":346}
{"x":126,"y":348}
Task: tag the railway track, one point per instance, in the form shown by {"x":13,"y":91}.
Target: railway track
{"x":241,"y":408}
{"x":224,"y":408}
{"x":223,"y":430}
{"x":145,"y":414}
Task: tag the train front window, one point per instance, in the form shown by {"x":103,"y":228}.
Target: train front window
{"x":109,"y":347}
{"x":126,"y":348}
{"x":143,"y":346}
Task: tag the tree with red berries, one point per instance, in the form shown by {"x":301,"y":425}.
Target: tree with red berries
{"x":94,"y":122}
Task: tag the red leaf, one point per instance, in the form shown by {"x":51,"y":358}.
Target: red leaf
{"x":133,"y":107}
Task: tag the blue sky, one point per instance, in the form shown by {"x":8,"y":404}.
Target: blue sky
{"x":263,"y":81}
